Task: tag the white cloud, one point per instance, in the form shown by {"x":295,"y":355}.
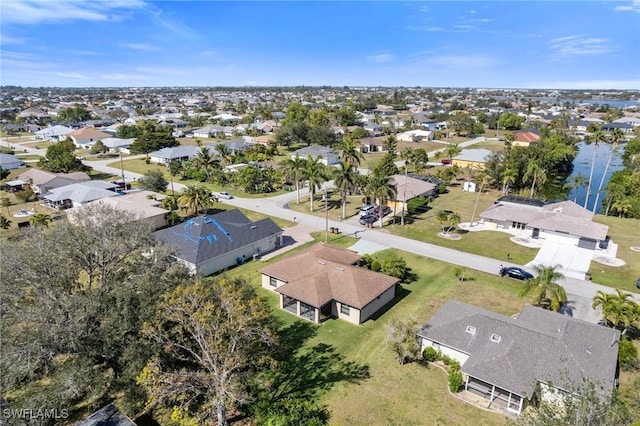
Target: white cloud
{"x":141,"y":46}
{"x":578,"y":45}
{"x":633,"y":6}
{"x":39,"y":11}
{"x":122,"y":77}
{"x":5,"y":40}
{"x":382,"y":58}
{"x":74,"y":75}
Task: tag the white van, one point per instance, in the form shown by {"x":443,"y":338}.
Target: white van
{"x":368,"y":209}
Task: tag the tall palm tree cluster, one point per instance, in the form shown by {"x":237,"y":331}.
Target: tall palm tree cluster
{"x":619,"y":309}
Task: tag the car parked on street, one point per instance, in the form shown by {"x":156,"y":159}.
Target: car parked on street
{"x":225,"y":195}
{"x":367,"y":219}
{"x":516,"y":273}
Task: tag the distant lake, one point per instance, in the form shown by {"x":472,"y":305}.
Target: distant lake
{"x":582,"y":165}
{"x":614,"y":103}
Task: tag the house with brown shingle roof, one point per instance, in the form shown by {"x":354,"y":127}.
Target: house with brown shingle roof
{"x":323,"y":282}
{"x":87,"y":136}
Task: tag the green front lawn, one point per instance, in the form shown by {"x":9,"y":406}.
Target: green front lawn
{"x":392,"y":394}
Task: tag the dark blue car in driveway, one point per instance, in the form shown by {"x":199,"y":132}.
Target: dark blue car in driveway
{"x":516,"y":273}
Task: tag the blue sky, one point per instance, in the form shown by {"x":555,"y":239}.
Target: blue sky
{"x":510,"y":44}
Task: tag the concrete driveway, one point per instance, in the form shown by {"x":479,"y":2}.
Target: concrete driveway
{"x":574,"y":261}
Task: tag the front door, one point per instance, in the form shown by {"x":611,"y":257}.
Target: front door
{"x":535,"y":233}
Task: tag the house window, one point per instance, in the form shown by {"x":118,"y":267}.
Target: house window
{"x":345,"y":309}
{"x":273,"y":282}
{"x":518,"y":225}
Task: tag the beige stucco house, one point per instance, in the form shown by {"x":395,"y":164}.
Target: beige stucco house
{"x":322,"y":282}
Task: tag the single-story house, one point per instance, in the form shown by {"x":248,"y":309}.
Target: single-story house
{"x":323,"y":282}
{"x":233,"y":146}
{"x":326,"y":155}
{"x":372,"y":145}
{"x":118,"y":144}
{"x":79,"y":194}
{"x":525,"y":138}
{"x":144,"y":205}
{"x":415,"y":136}
{"x":208,"y":132}
{"x":53,"y":133}
{"x":374,"y":129}
{"x":41,"y":182}
{"x":226,"y":118}
{"x":472,"y":158}
{"x":86,"y":137}
{"x":165,"y":156}
{"x":563,"y":222}
{"x":108,"y":415}
{"x":408,"y":188}
{"x":624,"y":127}
{"x":208,"y":244}
{"x":10,"y":162}
{"x":533,"y":356}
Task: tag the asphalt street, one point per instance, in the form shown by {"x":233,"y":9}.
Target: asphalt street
{"x":579,"y":292}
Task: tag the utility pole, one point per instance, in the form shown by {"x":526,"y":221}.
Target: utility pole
{"x":124,"y":185}
{"x":404,"y":192}
{"x":326,"y":216}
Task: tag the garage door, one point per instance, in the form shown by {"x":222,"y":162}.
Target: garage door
{"x":587,"y":243}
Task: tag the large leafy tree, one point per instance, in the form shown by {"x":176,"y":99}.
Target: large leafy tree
{"x":153,"y":180}
{"x":152,"y":137}
{"x":546,"y":292}
{"x":73,"y":302}
{"x":214,"y":337}
{"x":60,"y":158}
{"x":74,"y":114}
{"x":345,"y":179}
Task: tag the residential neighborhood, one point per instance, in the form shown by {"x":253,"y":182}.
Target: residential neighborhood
{"x":342,"y":217}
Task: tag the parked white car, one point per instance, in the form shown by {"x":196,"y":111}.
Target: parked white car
{"x":225,"y":195}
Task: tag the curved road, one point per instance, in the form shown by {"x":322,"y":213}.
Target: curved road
{"x":579,"y":292}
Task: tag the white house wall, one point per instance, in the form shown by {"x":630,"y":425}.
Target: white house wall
{"x":354,"y":314}
{"x":559,"y":238}
{"x":246,"y":253}
{"x":377,"y":304}
{"x":450,"y":352}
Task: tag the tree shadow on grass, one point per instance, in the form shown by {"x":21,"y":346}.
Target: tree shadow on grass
{"x":308,"y":372}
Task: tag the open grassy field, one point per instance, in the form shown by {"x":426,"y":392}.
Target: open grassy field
{"x":625,"y":233}
{"x":390,"y":393}
{"x":424,"y":227}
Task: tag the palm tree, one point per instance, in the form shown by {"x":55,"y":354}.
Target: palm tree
{"x":40,"y":219}
{"x":205,"y":160}
{"x":345,"y":179}
{"x":4,"y":222}
{"x":194,"y":197}
{"x":595,"y":137}
{"x":547,"y":293}
{"x":576,"y":183}
{"x":508,"y":177}
{"x":381,"y":188}
{"x":536,"y":173}
{"x":452,"y":150}
{"x":294,"y":170}
{"x":349,"y":151}
{"x":616,"y":137}
{"x":223,"y":151}
{"x":314,"y":172}
{"x":622,"y":206}
{"x":442,"y":217}
{"x":619,"y":310}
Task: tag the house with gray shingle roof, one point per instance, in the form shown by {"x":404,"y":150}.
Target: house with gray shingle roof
{"x":165,"y":156}
{"x":108,"y":415}
{"x":325,"y":154}
{"x":208,"y":244}
{"x":322,"y":282}
{"x":563,"y":222}
{"x":536,"y":355}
